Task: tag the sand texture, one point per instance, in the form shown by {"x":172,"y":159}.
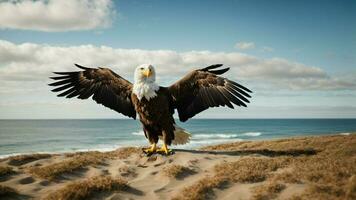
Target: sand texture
{"x":298,"y":168}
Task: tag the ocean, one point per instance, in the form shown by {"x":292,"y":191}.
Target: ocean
{"x":55,"y":136}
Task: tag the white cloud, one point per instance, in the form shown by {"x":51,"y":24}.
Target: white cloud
{"x":55,"y":15}
{"x":245,"y":45}
{"x":277,"y":68}
{"x":35,"y":62}
{"x":25,"y":68}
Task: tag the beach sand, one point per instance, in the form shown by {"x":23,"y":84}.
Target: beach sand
{"x":322,"y":167}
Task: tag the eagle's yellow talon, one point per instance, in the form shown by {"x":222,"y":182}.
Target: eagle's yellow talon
{"x":150,"y":150}
{"x":164,"y":150}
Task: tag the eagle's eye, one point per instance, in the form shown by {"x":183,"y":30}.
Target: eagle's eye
{"x":141,"y":68}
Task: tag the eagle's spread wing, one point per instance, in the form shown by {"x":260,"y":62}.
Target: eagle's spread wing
{"x":106,"y":87}
{"x":202,"y":88}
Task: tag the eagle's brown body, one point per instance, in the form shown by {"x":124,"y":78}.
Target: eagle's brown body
{"x":194,"y":93}
{"x":156,"y":116}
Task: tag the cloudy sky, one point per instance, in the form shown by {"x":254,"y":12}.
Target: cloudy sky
{"x":297,"y":56}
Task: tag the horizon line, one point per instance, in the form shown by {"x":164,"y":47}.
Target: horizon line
{"x":175,"y":118}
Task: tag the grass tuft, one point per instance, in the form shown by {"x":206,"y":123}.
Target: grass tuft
{"x":24,"y":159}
{"x":6,"y":191}
{"x":4,"y":171}
{"x":287,"y":177}
{"x":245,"y":170}
{"x":323,"y":191}
{"x":268,"y":191}
{"x":124,"y":153}
{"x":79,"y":160}
{"x":121,"y":153}
{"x":54,"y":170}
{"x":250,"y":169}
{"x":84,"y":189}
{"x":177,"y":171}
{"x":351,"y":188}
{"x":202,"y":189}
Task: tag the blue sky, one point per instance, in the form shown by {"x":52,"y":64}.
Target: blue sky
{"x":302,"y":52}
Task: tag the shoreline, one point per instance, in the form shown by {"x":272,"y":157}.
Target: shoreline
{"x":233,"y":139}
{"x":304,"y":167}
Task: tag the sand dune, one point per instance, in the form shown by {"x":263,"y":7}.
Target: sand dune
{"x":299,"y":168}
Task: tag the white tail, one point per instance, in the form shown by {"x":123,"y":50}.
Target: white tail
{"x":180,"y":136}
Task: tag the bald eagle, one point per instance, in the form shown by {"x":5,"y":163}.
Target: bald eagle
{"x":154,"y":104}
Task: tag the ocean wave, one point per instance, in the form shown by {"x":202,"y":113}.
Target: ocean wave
{"x":252,"y":134}
{"x":100,"y":149}
{"x":198,"y":136}
{"x":213,"y":136}
{"x":227,"y":136}
{"x":9,"y":155}
{"x":344,"y":133}
{"x":140,"y":133}
{"x":214,"y":141}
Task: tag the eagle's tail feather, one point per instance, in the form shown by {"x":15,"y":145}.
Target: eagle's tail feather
{"x":181,"y":136}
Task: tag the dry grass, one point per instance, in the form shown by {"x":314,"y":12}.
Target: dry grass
{"x":328,"y":174}
{"x":287,"y":177}
{"x":202,"y":189}
{"x":6,"y":191}
{"x":124,"y":153}
{"x":24,"y":159}
{"x":319,"y":143}
{"x":330,"y":191}
{"x":323,"y":191}
{"x":250,"y":169}
{"x":244,"y":170}
{"x":351,"y":188}
{"x":4,"y":171}
{"x":79,"y":160}
{"x":54,"y":170}
{"x":268,"y":191}
{"x":121,"y":153}
{"x":177,"y":171}
{"x":84,"y":189}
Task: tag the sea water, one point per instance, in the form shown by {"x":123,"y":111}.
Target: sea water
{"x":53,"y":136}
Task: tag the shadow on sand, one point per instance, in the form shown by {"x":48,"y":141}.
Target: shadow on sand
{"x":264,"y":152}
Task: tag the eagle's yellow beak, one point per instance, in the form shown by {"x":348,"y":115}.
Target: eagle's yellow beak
{"x":147,"y":72}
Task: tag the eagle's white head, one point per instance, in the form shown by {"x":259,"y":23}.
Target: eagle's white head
{"x":144,"y":82}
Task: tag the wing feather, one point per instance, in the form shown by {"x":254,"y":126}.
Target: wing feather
{"x":103,"y":85}
{"x":68,"y":85}
{"x":203,"y":88}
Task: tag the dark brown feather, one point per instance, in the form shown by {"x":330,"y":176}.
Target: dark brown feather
{"x":201,"y":89}
{"x":105,"y":87}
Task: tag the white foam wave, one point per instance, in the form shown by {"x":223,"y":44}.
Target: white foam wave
{"x":344,"y":133}
{"x":252,"y":134}
{"x":227,"y":136}
{"x":29,"y":153}
{"x":213,"y":136}
{"x":9,"y":155}
{"x":101,"y":149}
{"x":140,"y":133}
